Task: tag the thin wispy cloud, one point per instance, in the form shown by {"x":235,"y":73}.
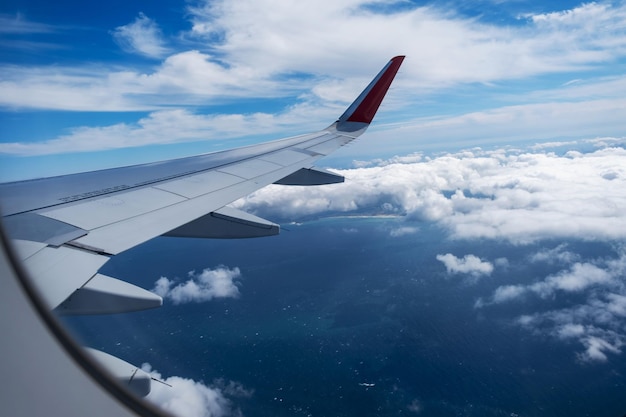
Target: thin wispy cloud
{"x":594,"y":319}
{"x":403,"y":231}
{"x":559,"y":254}
{"x":143,"y":36}
{"x":18,"y":24}
{"x":220,"y":282}
{"x":579,"y":277}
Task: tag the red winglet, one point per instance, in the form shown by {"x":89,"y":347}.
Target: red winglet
{"x":365,"y":106}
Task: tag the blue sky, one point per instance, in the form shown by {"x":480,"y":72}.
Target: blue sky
{"x":92,"y":86}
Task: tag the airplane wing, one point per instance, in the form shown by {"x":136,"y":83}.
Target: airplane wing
{"x":66,"y":228}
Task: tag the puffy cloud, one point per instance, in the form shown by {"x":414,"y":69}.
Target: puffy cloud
{"x":142,"y":36}
{"x":188,"y":398}
{"x":469,"y":264}
{"x":210,"y":283}
{"x":508,"y":292}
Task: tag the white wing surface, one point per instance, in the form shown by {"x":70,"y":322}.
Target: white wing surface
{"x":66,"y":228}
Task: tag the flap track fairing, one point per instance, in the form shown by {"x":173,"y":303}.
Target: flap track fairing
{"x":226,"y":223}
{"x":311,"y":176}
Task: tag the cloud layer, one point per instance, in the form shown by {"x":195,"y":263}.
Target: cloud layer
{"x":204,"y":286}
{"x":515,"y":195}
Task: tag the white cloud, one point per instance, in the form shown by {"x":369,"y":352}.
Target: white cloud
{"x":142,"y":36}
{"x":210,"y":283}
{"x":469,"y":264}
{"x":508,"y":292}
{"x":185,"y":397}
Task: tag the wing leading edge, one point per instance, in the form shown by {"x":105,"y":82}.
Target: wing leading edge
{"x":66,"y":228}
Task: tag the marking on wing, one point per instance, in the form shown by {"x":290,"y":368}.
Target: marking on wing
{"x":286,"y":157}
{"x":250,"y":169}
{"x":330,"y":145}
{"x":200,"y":184}
{"x":91,"y":214}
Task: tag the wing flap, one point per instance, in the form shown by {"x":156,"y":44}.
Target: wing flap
{"x":36,"y":228}
{"x":127,"y":375}
{"x":226,"y":223}
{"x":58,"y":272}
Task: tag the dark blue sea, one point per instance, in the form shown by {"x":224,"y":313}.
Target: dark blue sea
{"x":338,"y":317}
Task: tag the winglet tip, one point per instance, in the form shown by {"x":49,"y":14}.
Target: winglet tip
{"x":365,"y":106}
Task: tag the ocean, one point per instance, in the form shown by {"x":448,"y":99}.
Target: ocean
{"x":356,"y":316}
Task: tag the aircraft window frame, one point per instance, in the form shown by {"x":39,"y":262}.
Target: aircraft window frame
{"x":75,"y":351}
